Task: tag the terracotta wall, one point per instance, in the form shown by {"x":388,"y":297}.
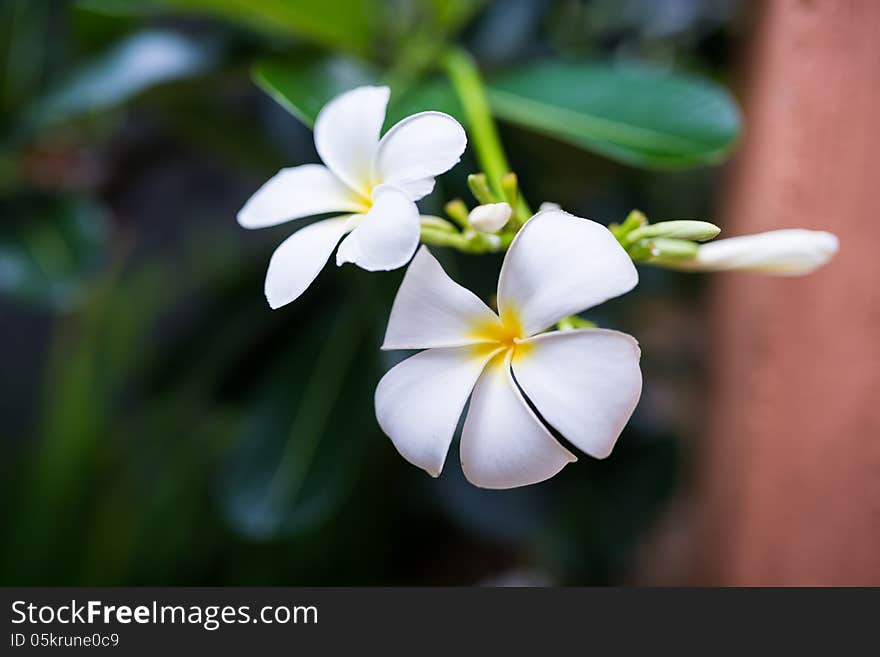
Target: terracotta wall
{"x":789,"y":481}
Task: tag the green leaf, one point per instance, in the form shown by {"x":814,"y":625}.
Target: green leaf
{"x":345,"y":24}
{"x":135,"y":64}
{"x":452,"y":15}
{"x":50,"y":255}
{"x":297,"y":450}
{"x":303,"y":87}
{"x":436,"y":94}
{"x":633,"y":114}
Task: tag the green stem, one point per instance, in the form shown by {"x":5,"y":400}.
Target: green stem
{"x":465,"y":77}
{"x":468,"y":242}
{"x":437,"y":223}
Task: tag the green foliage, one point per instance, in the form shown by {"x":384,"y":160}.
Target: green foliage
{"x":50,"y":257}
{"x":343,"y":24}
{"x":451,"y":15}
{"x":430,"y":94}
{"x":629,"y":113}
{"x":295,"y":457}
{"x":134,"y":64}
{"x":304,"y":86}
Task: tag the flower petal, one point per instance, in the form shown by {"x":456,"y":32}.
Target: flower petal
{"x":299,"y":258}
{"x":585,"y":383}
{"x":420,"y":146}
{"x":416,"y":189}
{"x":419,"y":402}
{"x":297,"y":192}
{"x":503,"y":443}
{"x":388,"y":234}
{"x":559,"y":265}
{"x":347,"y":134}
{"x":432,"y":310}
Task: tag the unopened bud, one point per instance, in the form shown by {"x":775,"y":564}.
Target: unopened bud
{"x":510,"y":188}
{"x":479,"y":184}
{"x":788,"y":252}
{"x":490,"y":218}
{"x":457,"y":211}
{"x":698,"y":231}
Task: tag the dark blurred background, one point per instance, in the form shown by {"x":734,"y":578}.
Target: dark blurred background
{"x":160,"y":425}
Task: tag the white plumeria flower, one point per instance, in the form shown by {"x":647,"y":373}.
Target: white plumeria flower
{"x":788,"y":252}
{"x":491,"y":217}
{"x":373,"y":182}
{"x":585,"y":383}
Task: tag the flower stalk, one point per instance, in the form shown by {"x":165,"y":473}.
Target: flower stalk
{"x":469,"y":241}
{"x":663,"y":241}
{"x":458,"y":212}
{"x":465,"y":77}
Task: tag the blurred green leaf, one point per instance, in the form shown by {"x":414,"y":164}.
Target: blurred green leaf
{"x":451,"y":15}
{"x":298,"y":445}
{"x":436,"y":94}
{"x":24,"y":45}
{"x":137,"y":63}
{"x":119,"y":7}
{"x":606,"y":508}
{"x":510,"y":516}
{"x":50,"y":255}
{"x":305,"y":86}
{"x":629,"y":113}
{"x":344,"y":24}
{"x":73,"y":419}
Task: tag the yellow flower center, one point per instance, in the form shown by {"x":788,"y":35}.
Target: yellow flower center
{"x":365,"y":199}
{"x":504,"y":332}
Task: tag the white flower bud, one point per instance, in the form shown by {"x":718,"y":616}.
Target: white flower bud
{"x":789,"y":252}
{"x":491,"y":217}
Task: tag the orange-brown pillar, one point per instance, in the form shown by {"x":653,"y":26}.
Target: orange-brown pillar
{"x":789,"y":478}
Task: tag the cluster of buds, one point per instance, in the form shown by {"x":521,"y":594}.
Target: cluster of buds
{"x":663,"y":241}
{"x":676,"y":245}
{"x":487,"y":227}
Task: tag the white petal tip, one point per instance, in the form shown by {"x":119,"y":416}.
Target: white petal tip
{"x":829,"y":244}
{"x":275,"y":302}
{"x":376,"y":87}
{"x":383,"y":267}
{"x":245,"y":220}
{"x":474,"y":480}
